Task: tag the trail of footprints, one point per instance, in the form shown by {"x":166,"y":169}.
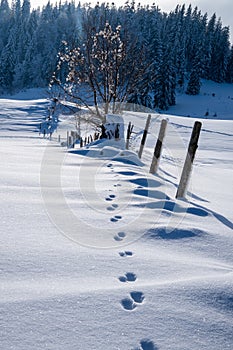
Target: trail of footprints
{"x":135,"y":298}
{"x":114,"y":206}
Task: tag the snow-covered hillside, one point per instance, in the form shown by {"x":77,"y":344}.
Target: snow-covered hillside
{"x":96,"y":253}
{"x":215,"y":101}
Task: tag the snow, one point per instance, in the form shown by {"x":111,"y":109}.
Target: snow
{"x":214,"y":99}
{"x":96,"y":253}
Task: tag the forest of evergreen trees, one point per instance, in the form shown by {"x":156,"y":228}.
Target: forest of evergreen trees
{"x":162,"y":51}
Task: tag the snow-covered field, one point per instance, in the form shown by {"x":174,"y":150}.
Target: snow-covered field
{"x":96,"y":253}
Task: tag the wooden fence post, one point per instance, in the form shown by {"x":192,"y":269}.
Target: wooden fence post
{"x":129,"y":132}
{"x":70,"y":141}
{"x":144,"y":136}
{"x":67,"y":137}
{"x":193,"y":145}
{"x":158,"y":147}
{"x":81,"y":142}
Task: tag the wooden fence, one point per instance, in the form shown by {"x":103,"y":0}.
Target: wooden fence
{"x":73,"y":138}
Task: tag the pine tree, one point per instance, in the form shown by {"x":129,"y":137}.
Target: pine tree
{"x":194,"y":83}
{"x":5,"y":22}
{"x":179,"y":46}
{"x":7,"y":63}
{"x":229,"y":71}
{"x":220,"y":53}
{"x":208,"y":44}
{"x":164,"y":94}
{"x":26,"y":10}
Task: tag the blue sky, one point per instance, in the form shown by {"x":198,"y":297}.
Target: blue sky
{"x":223,"y":8}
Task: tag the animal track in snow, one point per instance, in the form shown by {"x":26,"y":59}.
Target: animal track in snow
{"x":120,"y":236}
{"x":128,"y":277}
{"x":126,"y":253}
{"x":147,"y":344}
{"x":116,"y":218}
{"x":110,"y":197}
{"x":128,"y":304}
{"x":137,"y":297}
{"x":131,"y":303}
{"x":113,"y":207}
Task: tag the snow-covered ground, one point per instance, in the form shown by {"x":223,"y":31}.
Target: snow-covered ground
{"x":96,"y":253}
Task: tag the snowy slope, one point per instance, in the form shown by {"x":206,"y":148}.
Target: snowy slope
{"x":97,"y":254}
{"x":215,"y":101}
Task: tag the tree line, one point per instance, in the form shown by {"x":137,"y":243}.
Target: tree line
{"x":134,"y":53}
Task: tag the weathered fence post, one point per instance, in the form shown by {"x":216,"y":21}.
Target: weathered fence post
{"x":67,"y":137}
{"x":158,"y":147}
{"x":193,"y":145}
{"x":70,"y":141}
{"x":75,"y":137}
{"x":81,"y":142}
{"x":144,"y":136}
{"x":129,"y":132}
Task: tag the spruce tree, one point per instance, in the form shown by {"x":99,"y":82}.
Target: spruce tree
{"x":194,"y":83}
{"x":229,"y":71}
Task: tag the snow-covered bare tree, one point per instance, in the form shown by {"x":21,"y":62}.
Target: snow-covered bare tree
{"x":101,"y":68}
